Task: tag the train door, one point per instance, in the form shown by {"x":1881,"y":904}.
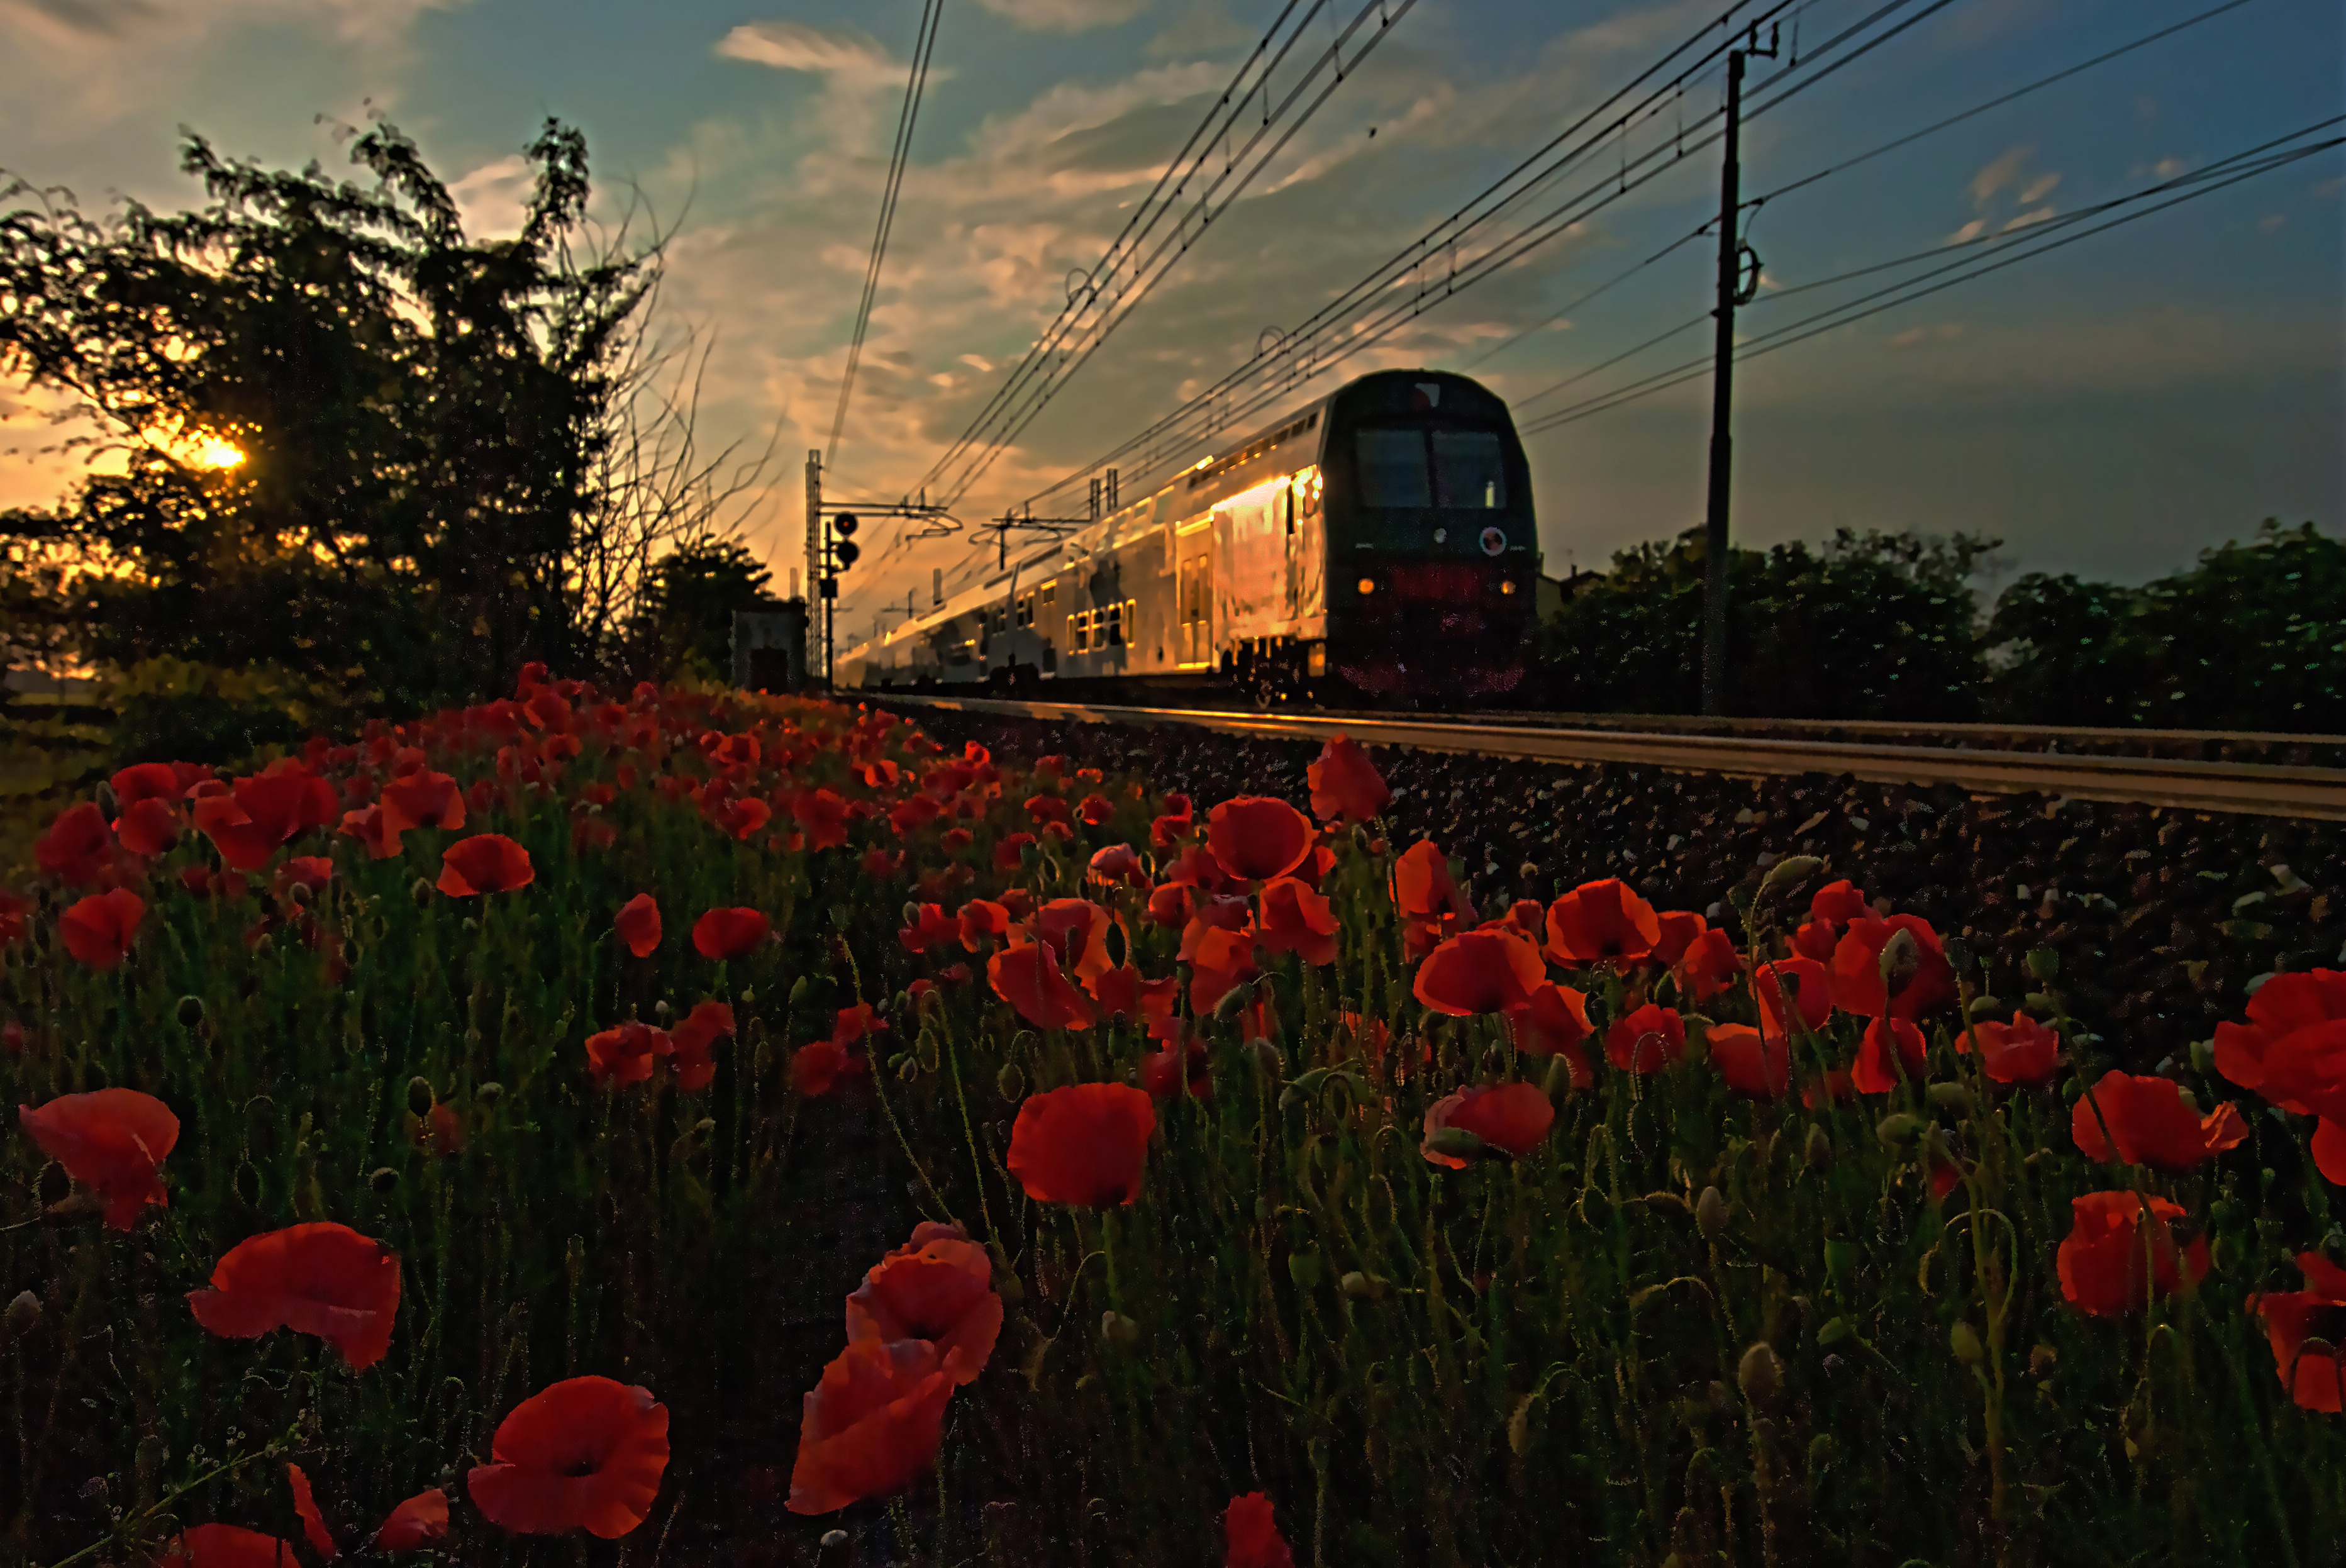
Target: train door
{"x":1293,"y":545}
{"x":1194,"y":594}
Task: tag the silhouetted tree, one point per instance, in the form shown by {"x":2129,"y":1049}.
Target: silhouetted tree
{"x":686,"y":626}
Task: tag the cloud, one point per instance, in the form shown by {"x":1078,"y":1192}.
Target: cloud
{"x":1940,"y":332}
{"x":2039,"y":188}
{"x":1064,"y":15}
{"x":1997,"y":175}
{"x":492,"y":198}
{"x":2024,"y":219}
{"x":842,"y":53}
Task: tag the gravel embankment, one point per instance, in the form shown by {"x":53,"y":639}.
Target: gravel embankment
{"x":2159,"y":917}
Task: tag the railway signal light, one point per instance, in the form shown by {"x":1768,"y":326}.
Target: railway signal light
{"x":846,"y":553}
{"x":844,"y":525}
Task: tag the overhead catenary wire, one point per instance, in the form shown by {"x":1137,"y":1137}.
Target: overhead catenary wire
{"x":899,"y":158}
{"x":1753,"y":203}
{"x":1133,"y":265}
{"x":2007,"y":250}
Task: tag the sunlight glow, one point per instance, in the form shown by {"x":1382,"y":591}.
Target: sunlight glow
{"x":211,"y":451}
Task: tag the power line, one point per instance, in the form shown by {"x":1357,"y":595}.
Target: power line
{"x":1126,"y":274}
{"x":1754,"y":203}
{"x":2009,"y":249}
{"x":924,"y":44}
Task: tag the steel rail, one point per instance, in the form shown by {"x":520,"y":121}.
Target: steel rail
{"x":2244,"y":788}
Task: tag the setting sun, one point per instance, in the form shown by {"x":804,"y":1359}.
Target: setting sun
{"x":211,"y":451}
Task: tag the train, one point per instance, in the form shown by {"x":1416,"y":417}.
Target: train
{"x":1376,"y":546}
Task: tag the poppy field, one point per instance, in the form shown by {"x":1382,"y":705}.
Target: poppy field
{"x":430,"y":1139}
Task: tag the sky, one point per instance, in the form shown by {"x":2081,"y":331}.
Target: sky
{"x":2109,"y":409}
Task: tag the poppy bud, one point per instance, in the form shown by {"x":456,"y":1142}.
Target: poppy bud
{"x":1119,"y":1330}
{"x":1710,"y":1213}
{"x":1025,"y":1039}
{"x":21,"y":1315}
{"x":1894,"y":1129}
{"x":1010,"y":1083}
{"x":1267,"y":1057}
{"x":909,"y":1071}
{"x":703,"y":1127}
{"x":421,"y":892}
{"x":1965,"y":1341}
{"x":1818,"y":1152}
{"x":1362,"y":1286}
{"x":798,"y":990}
{"x":838,"y":1550}
{"x":192,"y":1011}
{"x":1457,"y":1143}
{"x":263,"y":945}
{"x":1558,"y":1083}
{"x":298,"y":893}
{"x":661,"y":1010}
{"x":1951,"y":1096}
{"x":1303,"y":1267}
{"x":2041,"y":1361}
{"x":384,"y":1178}
{"x":1834,"y":1331}
{"x":1986,"y":1007}
{"x":2043,"y":964}
{"x":1595,"y":1206}
{"x":489,"y":1094}
{"x":1261,"y":1207}
{"x":747,"y":996}
{"x":1757,"y":1374}
{"x":469,"y":926}
{"x":1789,"y":871}
{"x":1900,"y":960}
{"x":1959,"y":954}
{"x":2041,"y":1001}
{"x":2203,"y":1055}
{"x":109,"y":802}
{"x":911,"y":914}
{"x":420,"y":1097}
{"x":1235,"y":997}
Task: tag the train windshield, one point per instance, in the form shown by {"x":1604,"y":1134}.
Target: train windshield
{"x":1451,"y":469}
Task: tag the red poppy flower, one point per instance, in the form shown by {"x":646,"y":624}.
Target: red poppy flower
{"x":1182,"y":1066}
{"x":1829,"y":911}
{"x":1255,"y":1540}
{"x":1169,"y":829}
{"x":2314,"y":1377}
{"x":931,"y":927}
{"x":1811,"y":989}
{"x":2101,"y":1260}
{"x":1123,"y":990}
{"x":638,"y":924}
{"x":484,"y":863}
{"x":15,"y":914}
{"x":1215,"y":912}
{"x":422,"y":798}
{"x":693,"y":1040}
{"x":1510,"y":1116}
{"x":313,"y":1523}
{"x":415,"y":1523}
{"x":152,"y":781}
{"x":2151,"y":1125}
{"x":1602,"y":921}
{"x":77,"y":850}
{"x":1708,"y":965}
{"x":1858,"y":985}
{"x":1345,"y":785}
{"x":1029,"y":978}
{"x":725,"y":934}
{"x":1874,"y":1071}
{"x":367,"y":826}
{"x":2021,"y":1052}
{"x":1047,"y":808}
{"x":624,"y":1054}
{"x":586,"y":1454}
{"x":1555,"y":1022}
{"x":109,"y":1140}
{"x":260,"y":813}
{"x":1008,"y":851}
{"x":1680,"y":928}
{"x":1085,"y":1144}
{"x":317,"y":1278}
{"x":1427,"y":899}
{"x":1096,"y":809}
{"x":739,"y":819}
{"x":1076,"y":930}
{"x":1480,"y":971}
{"x":1646,"y":1041}
{"x":1117,"y":863}
{"x":938,"y":1286}
{"x":1755,"y":1066}
{"x":1297,"y":920}
{"x":1833,"y":1085}
{"x":982,"y":920}
{"x":98,"y":930}
{"x":228,"y":1546}
{"x":870,"y":1427}
{"x":2282,"y":1006}
{"x":147,"y":828}
{"x":821,"y":815}
{"x":1254,"y":837}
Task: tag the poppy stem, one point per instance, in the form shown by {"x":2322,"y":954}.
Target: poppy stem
{"x":976,"y":1164}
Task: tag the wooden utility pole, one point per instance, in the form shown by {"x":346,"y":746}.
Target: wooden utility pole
{"x":1739,"y":281}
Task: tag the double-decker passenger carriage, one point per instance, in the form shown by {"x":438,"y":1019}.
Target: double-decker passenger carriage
{"x":1377,"y":544}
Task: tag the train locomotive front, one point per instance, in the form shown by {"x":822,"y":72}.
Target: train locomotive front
{"x":1376,"y":546}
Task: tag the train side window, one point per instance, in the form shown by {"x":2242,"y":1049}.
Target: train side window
{"x":1113,"y":619}
{"x":1050,"y":595}
{"x":1467,"y":471}
{"x":1026,"y":609}
{"x":1393,"y":468}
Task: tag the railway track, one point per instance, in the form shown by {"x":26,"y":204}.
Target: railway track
{"x":2184,"y":783}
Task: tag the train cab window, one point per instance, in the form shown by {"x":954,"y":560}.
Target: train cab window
{"x":1026,"y":610}
{"x":1393,"y":468}
{"x":1466,"y":470}
{"x":1050,"y":595}
{"x":1112,"y":622}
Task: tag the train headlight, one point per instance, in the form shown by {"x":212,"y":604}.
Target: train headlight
{"x":1507,"y":586}
{"x":1368,"y":585}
